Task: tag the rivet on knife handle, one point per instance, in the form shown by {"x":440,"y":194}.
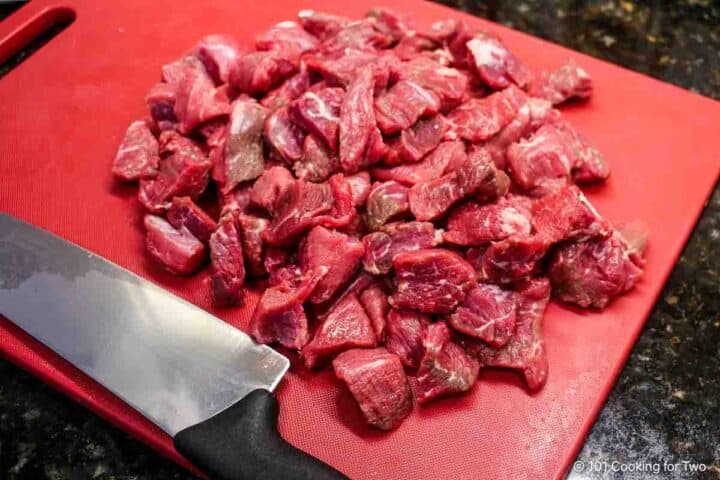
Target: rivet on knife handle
{"x":242,"y":443}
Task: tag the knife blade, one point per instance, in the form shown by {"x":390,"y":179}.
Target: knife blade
{"x":202,"y":381}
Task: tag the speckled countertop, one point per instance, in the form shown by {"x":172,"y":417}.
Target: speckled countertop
{"x":665,"y":407}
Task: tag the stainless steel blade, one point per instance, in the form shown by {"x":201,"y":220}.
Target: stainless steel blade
{"x":175,"y":363}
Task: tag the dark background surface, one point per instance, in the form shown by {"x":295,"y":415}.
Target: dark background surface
{"x":665,"y":406}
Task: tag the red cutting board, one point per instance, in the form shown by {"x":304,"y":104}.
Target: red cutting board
{"x":63,"y":112}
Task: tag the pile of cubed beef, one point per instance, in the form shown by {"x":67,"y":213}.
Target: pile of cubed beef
{"x":407,"y":197}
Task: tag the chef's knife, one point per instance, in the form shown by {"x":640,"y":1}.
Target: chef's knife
{"x":202,"y":381}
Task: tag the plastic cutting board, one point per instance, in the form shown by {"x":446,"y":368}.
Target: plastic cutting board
{"x":64,"y":110}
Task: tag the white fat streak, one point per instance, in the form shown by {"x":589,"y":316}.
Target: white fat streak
{"x":322,"y":110}
{"x":512,"y":219}
{"x":286,"y":24}
{"x":306,"y":13}
{"x":279,"y":139}
{"x":222,"y":49}
{"x":421,"y":92}
{"x":583,"y":199}
{"x":125,"y":150}
{"x":485,"y":53}
{"x":447,"y":72}
{"x":581,"y":72}
{"x":533,"y":142}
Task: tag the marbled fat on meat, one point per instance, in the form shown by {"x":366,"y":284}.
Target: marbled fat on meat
{"x":431,"y":280}
{"x":346,"y":326}
{"x":445,"y":368}
{"x":378,"y":383}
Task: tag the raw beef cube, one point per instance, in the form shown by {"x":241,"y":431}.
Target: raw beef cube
{"x":322,"y":25}
{"x":257,"y":73}
{"x":445,"y":368}
{"x":381,"y":247}
{"x":494,"y":64}
{"x":340,"y":253}
{"x":431,"y":280}
{"x":635,"y":235}
{"x":174,"y":143}
{"x":317,"y":162}
{"x":525,"y":351}
{"x":281,"y":266}
{"x":361,"y":281}
{"x":447,"y":83}
{"x":161,"y":102}
{"x":359,"y":34}
{"x":197,"y":100}
{"x":283,"y":135}
{"x":543,"y":160}
{"x":391,"y":23}
{"x":511,"y":133}
{"x":296,"y":211}
{"x":480,"y":118}
{"x":227,"y":268}
{"x":176,"y":250}
{"x":488,"y":313}
{"x":378,"y":383}
{"x":289,"y":274}
{"x":592,"y":273}
{"x":238,"y":200}
{"x":343,"y":210}
{"x":567,"y":215}
{"x":405,"y":331}
{"x":474,"y":224}
{"x":456,"y":44}
{"x":386,"y":201}
{"x":185,"y":213}
{"x":375,"y":302}
{"x":477,"y":176}
{"x":184,"y":173}
{"x":244,"y":158}
{"x":441,"y":30}
{"x":216,"y":155}
{"x":441,"y":160}
{"x":341,"y":68}
{"x":360,"y":187}
{"x":270,"y":187}
{"x":588,"y":164}
{"x":279,"y":315}
{"x":346,"y":326}
{"x":530,"y":117}
{"x":403,"y":105}
{"x":213,"y":132}
{"x":318,"y":113}
{"x":358,"y":132}
{"x":567,"y":82}
{"x":290,"y":89}
{"x":541,"y":112}
{"x":138,"y":154}
{"x":308,"y":204}
{"x":414,"y":143}
{"x":251,"y":232}
{"x":175,"y":72}
{"x":357,"y":226}
{"x":218,"y":53}
{"x":409,"y":48}
{"x":283,"y":33}
{"x":509,"y":260}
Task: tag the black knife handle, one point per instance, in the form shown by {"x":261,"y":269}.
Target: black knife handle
{"x":243,"y":443}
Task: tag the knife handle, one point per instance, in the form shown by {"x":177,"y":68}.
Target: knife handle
{"x":243,"y":443}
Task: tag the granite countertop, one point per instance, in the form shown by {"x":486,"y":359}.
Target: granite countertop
{"x":665,"y":407}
